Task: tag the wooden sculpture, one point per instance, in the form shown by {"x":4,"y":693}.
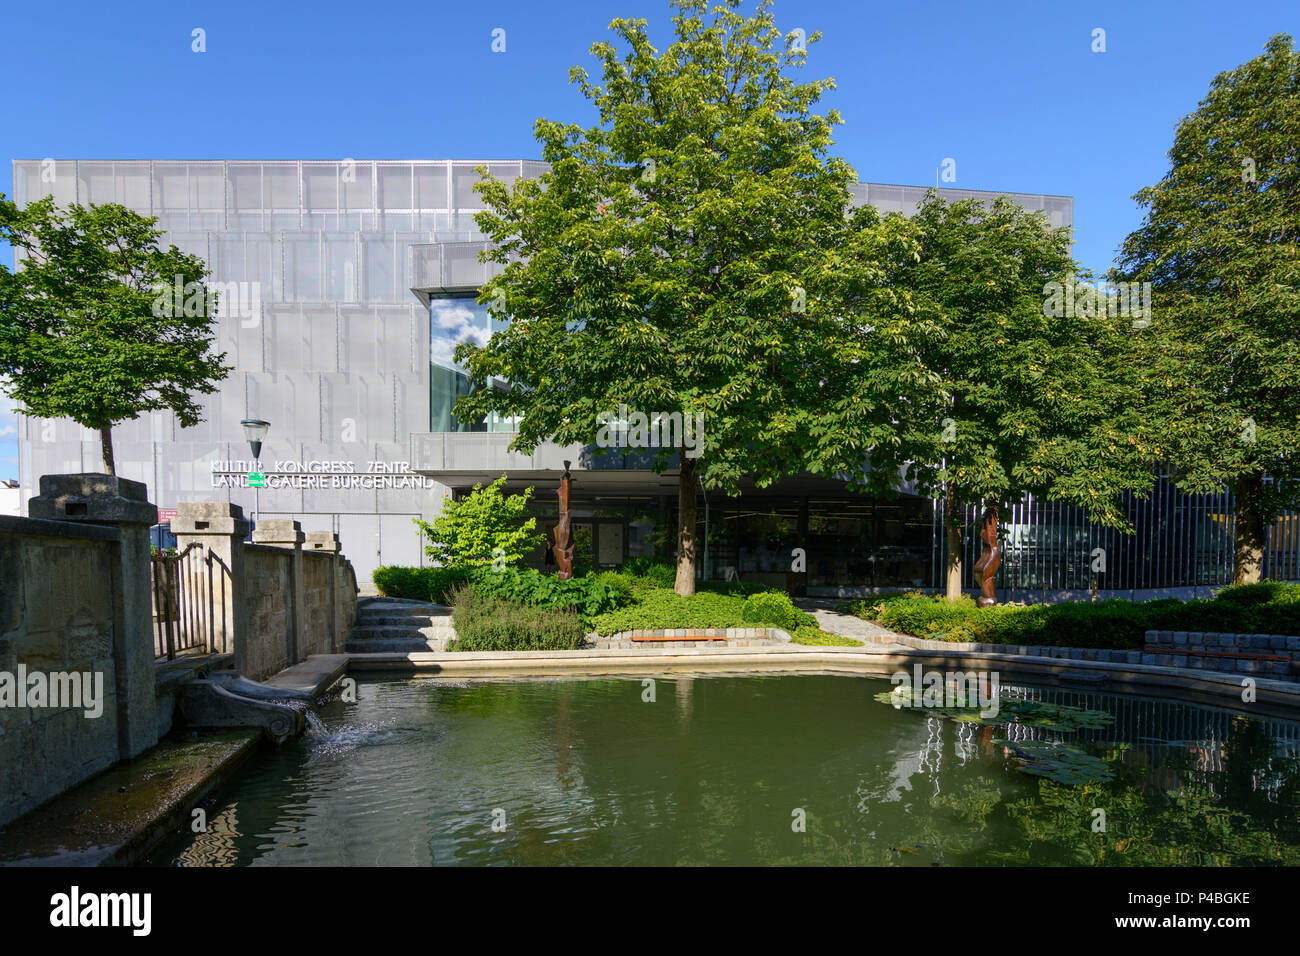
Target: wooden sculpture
{"x":986,"y":568}
{"x":563,"y":548}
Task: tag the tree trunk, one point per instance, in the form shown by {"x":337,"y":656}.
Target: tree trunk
{"x":106,"y":445}
{"x":952,"y":524}
{"x":1251,"y":532}
{"x":685,"y":583}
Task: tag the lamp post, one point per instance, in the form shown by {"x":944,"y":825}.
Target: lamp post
{"x":255,"y":431}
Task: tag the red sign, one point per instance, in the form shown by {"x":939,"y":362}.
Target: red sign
{"x":165,"y":515}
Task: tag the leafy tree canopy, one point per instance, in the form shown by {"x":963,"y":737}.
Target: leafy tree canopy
{"x":1220,"y":243}
{"x":82,"y":333}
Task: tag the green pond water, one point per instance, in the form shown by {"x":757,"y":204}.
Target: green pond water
{"x":746,"y":770}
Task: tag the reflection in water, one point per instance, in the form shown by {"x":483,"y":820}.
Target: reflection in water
{"x":586,"y":772}
{"x":216,"y":845}
{"x":684,"y":688}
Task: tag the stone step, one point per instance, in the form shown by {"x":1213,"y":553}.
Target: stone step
{"x":394,"y":646}
{"x":399,"y":620}
{"x":401,"y":633}
{"x":388,"y":607}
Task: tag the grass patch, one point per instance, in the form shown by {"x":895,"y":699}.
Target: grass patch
{"x":812,"y":635}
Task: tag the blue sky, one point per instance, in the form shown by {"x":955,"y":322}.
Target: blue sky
{"x":1012,"y":91}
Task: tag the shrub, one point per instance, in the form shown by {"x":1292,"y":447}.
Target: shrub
{"x":1267,"y":608}
{"x":1264,"y":592}
{"x":661,"y":608}
{"x":740,"y":588}
{"x":588,"y":596}
{"x":482,"y":527}
{"x":655,"y":572}
{"x":775,"y":608}
{"x":419,"y":584}
{"x":623,"y":586}
{"x":488,"y":623}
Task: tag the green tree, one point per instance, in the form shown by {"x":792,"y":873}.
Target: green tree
{"x":90,"y":326}
{"x":468,"y":533}
{"x":671,"y":259}
{"x":1220,"y":243}
{"x":1030,"y":390}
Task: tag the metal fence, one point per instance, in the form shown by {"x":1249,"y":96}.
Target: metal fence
{"x":1181,"y":540}
{"x":180,"y":622}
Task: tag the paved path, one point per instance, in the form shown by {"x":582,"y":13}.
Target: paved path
{"x":845,"y":625}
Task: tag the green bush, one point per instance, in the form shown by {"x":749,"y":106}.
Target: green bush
{"x":482,"y":527}
{"x":588,"y":596}
{"x":775,"y":608}
{"x":419,"y":584}
{"x":652,"y":571}
{"x":1265,"y":592}
{"x":739,"y":588}
{"x":488,"y":623}
{"x":622,"y":585}
{"x":667,"y":609}
{"x":1267,"y":608}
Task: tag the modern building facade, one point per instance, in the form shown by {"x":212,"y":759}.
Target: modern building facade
{"x":347,"y":285}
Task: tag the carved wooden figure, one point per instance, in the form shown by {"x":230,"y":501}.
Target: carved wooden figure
{"x":563,"y":547}
{"x":986,"y":568}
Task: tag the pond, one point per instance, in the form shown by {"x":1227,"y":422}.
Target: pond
{"x":753,"y":770}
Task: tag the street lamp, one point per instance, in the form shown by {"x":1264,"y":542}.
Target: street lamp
{"x":255,"y":431}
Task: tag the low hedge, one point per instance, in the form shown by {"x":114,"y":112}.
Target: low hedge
{"x":418,"y":584}
{"x":1267,"y":608}
{"x":488,"y":623}
{"x":668,"y":609}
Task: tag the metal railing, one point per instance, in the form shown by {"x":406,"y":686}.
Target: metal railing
{"x":182,"y":602}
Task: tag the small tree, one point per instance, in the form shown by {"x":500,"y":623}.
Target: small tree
{"x":1219,"y":245}
{"x":99,"y":324}
{"x":467,"y":533}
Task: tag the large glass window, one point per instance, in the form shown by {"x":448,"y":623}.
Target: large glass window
{"x":453,"y":321}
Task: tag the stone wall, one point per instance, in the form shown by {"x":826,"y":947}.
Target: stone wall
{"x":268,"y":596}
{"x":345,"y":603}
{"x":56,"y":617}
{"x":76,"y":607}
{"x":1262,"y":655}
{"x":318,"y":596}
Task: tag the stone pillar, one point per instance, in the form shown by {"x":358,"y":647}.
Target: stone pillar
{"x":220,"y":528}
{"x":283,"y":533}
{"x":124,"y":505}
{"x":327,"y":542}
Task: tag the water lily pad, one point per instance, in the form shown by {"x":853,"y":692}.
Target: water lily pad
{"x":1031,"y":713}
{"x":1060,"y":762}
